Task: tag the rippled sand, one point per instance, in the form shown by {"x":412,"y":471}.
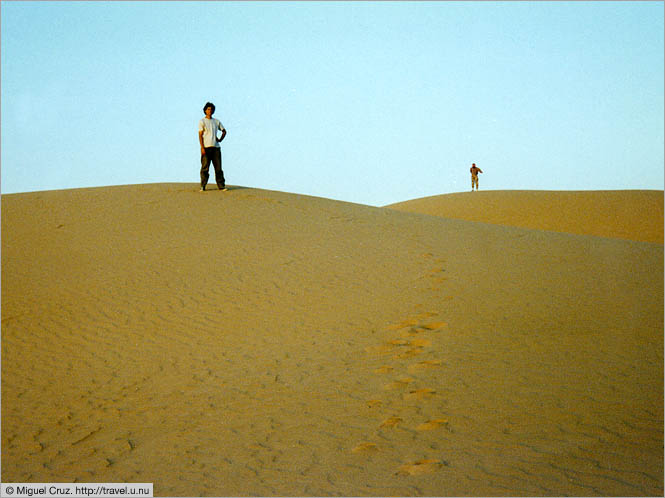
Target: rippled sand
{"x":252,"y":342}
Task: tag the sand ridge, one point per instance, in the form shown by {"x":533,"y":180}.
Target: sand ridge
{"x":625,"y":214}
{"x":252,"y":342}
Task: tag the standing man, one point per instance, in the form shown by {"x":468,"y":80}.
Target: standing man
{"x":474,"y":175}
{"x":210,"y":150}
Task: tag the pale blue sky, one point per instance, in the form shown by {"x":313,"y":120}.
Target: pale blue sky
{"x":368,"y":102}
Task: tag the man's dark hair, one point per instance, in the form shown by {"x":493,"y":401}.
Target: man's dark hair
{"x":209,"y":104}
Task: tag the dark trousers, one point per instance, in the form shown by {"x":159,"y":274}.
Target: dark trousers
{"x":213,"y":154}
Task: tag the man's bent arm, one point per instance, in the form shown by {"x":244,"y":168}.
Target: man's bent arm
{"x":203,"y":149}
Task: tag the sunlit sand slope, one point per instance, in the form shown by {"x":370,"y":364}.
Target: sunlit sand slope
{"x":625,"y":214}
{"x":260,"y":343}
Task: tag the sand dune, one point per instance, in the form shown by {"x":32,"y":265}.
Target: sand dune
{"x":624,"y":214}
{"x":253,"y":342}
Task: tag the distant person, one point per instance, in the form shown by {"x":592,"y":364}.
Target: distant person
{"x":210,"y":150}
{"x":474,"y":175}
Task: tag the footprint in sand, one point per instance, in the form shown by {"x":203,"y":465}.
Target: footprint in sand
{"x":409,"y":353}
{"x":434,"y":325}
{"x":409,"y":322}
{"x":424,"y":365}
{"x":380,"y":350}
{"x":411,"y":332}
{"x":430,"y":425}
{"x":420,"y":467}
{"x":365,"y":448}
{"x":424,"y":393}
{"x":384,"y":369}
{"x":418,"y":321}
{"x":398,"y":384}
{"x":421,"y":343}
{"x":399,"y":342}
{"x":374,"y":403}
{"x":391,"y":422}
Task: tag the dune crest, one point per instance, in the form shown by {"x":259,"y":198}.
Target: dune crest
{"x":624,"y":214}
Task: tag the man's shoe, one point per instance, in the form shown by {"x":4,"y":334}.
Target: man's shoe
{"x":223,"y":189}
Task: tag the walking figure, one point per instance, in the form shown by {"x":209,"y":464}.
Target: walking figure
{"x":474,"y":175}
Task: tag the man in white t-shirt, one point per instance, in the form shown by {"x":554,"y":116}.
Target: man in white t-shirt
{"x":210,"y":150}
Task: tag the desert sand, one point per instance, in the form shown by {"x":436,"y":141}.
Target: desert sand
{"x":624,"y":214}
{"x":253,"y":342}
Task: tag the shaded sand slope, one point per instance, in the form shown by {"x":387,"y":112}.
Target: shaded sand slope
{"x":624,"y":214}
{"x":262,"y":343}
